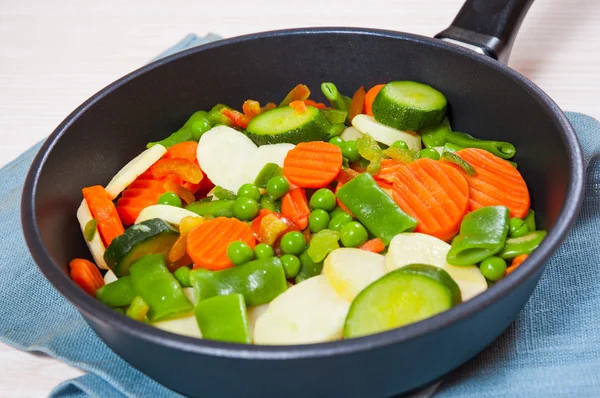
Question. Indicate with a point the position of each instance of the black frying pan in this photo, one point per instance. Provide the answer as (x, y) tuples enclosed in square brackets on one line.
[(486, 98)]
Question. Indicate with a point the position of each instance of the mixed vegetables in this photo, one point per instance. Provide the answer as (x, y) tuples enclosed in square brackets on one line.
[(307, 222)]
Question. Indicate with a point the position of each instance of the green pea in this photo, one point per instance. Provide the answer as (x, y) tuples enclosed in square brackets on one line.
[(291, 265), (239, 252), (399, 144), (339, 221), (336, 212), (353, 234), (350, 151), (493, 268), (517, 228), (263, 250), (249, 191), (200, 126), (323, 199), (337, 141), (318, 220), (293, 243), (245, 209), (277, 187), (169, 198), (429, 153)]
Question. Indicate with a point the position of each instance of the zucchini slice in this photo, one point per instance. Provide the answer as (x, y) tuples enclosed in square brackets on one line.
[(284, 124)]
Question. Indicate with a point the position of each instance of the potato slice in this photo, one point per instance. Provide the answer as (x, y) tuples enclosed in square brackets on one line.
[(96, 246), (351, 134), (171, 214), (387, 135), (109, 277), (274, 153)]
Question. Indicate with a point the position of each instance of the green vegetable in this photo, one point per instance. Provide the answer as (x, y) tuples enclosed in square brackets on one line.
[(339, 221), (137, 309), (321, 244), (263, 250), (517, 228), (350, 151), (217, 208), (411, 106), (435, 136), (215, 117), (277, 187), (198, 124), (336, 212), (323, 199), (334, 130), (148, 237), (337, 100), (448, 147), (493, 268), (269, 171), (530, 220), (153, 282), (249, 191), (337, 141), (286, 125), (120, 310), (291, 265), (335, 115), (439, 275), (482, 234), (170, 199), (308, 268), (89, 231), (345, 163), (401, 155), (318, 220), (223, 194), (268, 203), (505, 150), (429, 153), (375, 209), (239, 252), (293, 243), (245, 209), (454, 158), (370, 150), (259, 281), (116, 294), (353, 234), (400, 145), (522, 245), (182, 274), (224, 318)]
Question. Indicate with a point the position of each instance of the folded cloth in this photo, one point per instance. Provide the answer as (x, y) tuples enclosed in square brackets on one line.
[(553, 349)]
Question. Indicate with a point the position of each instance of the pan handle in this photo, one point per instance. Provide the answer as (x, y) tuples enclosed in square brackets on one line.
[(487, 26)]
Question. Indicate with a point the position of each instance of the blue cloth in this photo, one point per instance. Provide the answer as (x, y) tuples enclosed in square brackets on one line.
[(553, 348)]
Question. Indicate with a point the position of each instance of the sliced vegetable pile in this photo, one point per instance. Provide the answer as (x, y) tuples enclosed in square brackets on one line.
[(307, 222)]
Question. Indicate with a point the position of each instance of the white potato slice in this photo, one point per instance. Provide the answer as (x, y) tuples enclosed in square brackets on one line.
[(109, 277), (411, 248), (439, 149), (349, 271), (96, 246), (132, 170), (309, 312), (274, 153), (185, 326), (351, 134), (387, 135), (253, 314), (222, 155), (171, 214)]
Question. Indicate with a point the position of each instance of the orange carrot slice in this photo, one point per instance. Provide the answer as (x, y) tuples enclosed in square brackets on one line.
[(516, 262), (318, 105), (299, 106), (141, 193), (207, 243), (389, 168), (358, 103), (238, 118), (374, 245), (312, 164), (105, 213), (435, 194), (370, 97), (295, 207), (86, 275), (496, 183)]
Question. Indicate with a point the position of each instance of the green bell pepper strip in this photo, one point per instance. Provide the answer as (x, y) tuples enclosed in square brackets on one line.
[(505, 150), (401, 155), (137, 309), (530, 220), (308, 268), (482, 234), (182, 275), (334, 116), (216, 208), (153, 282), (259, 281), (224, 318), (337, 100), (269, 171), (522, 245), (118, 293), (222, 193), (436, 136), (192, 130), (375, 209), (322, 243)]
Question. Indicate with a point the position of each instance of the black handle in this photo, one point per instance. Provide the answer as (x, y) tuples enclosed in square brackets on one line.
[(490, 25)]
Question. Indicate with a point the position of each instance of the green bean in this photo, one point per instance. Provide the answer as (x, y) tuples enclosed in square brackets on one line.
[(435, 136), (522, 245), (192, 130), (530, 220), (505, 150), (337, 100)]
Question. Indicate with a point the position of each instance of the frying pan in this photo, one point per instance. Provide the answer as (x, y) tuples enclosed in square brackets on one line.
[(486, 98)]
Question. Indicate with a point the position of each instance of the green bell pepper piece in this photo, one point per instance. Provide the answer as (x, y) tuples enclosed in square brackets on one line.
[(259, 281), (153, 282), (192, 130), (308, 268), (523, 245), (436, 136), (375, 209), (182, 275), (217, 208), (224, 318), (323, 243), (269, 171), (505, 150), (268, 203), (482, 234), (137, 309), (530, 220), (118, 293)]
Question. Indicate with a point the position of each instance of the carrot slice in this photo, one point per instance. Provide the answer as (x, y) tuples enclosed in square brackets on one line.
[(183, 150), (295, 207), (370, 97), (105, 213), (299, 106), (207, 243), (86, 275), (389, 168), (374, 245), (358, 103), (435, 194), (239, 119), (141, 193), (318, 105), (496, 183), (516, 262), (312, 164)]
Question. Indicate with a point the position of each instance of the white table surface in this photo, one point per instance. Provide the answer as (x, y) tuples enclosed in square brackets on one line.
[(55, 54)]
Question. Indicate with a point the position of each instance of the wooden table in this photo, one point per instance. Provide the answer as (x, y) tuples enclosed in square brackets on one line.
[(54, 55)]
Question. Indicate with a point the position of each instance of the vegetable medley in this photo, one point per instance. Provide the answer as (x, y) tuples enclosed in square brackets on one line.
[(307, 222)]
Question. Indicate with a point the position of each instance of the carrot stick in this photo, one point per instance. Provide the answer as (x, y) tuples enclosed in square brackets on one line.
[(312, 164), (358, 103), (298, 93), (374, 245), (238, 118), (318, 105), (104, 211), (298, 106), (86, 275), (435, 194), (183, 150), (295, 207), (370, 97), (207, 243), (516, 262), (251, 108), (495, 183)]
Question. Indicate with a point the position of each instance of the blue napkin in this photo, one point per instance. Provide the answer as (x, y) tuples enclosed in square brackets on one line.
[(553, 348)]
